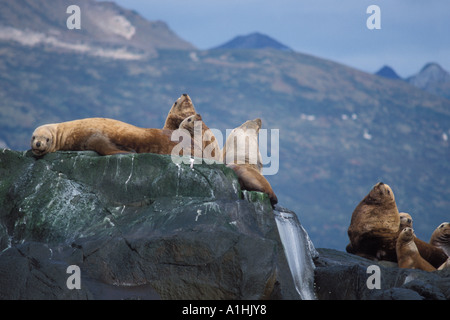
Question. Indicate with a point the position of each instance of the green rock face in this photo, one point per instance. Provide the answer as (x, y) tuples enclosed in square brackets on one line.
[(136, 221)]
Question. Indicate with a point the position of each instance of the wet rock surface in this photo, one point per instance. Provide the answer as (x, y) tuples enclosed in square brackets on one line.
[(138, 226), (343, 276)]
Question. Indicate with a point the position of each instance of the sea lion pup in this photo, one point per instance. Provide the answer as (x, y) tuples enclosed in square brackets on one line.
[(408, 255), (441, 237), (181, 109), (375, 225), (105, 136), (205, 143), (241, 146), (250, 179)]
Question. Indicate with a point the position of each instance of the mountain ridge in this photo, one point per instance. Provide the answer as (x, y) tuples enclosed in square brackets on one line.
[(255, 40), (103, 26)]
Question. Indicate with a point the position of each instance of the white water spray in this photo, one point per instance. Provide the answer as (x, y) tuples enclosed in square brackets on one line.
[(299, 251)]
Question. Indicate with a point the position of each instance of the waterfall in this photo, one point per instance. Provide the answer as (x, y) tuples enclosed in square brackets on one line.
[(299, 251)]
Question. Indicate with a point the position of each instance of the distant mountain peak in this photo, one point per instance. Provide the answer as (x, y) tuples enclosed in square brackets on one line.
[(254, 40), (387, 72), (433, 72), (432, 78)]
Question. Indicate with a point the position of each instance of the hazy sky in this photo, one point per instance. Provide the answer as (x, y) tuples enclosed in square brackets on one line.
[(413, 32)]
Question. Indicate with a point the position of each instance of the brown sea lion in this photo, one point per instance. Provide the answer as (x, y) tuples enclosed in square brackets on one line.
[(375, 225), (405, 220), (441, 237), (205, 143), (250, 179), (181, 109), (408, 255), (433, 255), (105, 136)]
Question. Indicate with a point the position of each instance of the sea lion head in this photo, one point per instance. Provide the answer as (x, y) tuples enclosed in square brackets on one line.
[(441, 237), (406, 235), (188, 123), (183, 107), (405, 220), (42, 140), (381, 193), (254, 124)]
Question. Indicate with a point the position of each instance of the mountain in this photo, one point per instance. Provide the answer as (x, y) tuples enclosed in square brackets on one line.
[(341, 130), (254, 41), (105, 29), (388, 72), (432, 78)]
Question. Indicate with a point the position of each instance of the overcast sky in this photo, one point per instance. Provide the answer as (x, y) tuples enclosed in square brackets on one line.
[(413, 32)]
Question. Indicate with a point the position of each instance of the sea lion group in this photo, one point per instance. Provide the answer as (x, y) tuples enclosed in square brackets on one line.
[(110, 137), (378, 231)]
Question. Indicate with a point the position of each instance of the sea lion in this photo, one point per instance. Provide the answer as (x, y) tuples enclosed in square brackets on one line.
[(405, 220), (181, 109), (441, 237), (250, 179), (432, 254), (205, 143), (241, 146), (408, 255), (105, 136), (375, 225)]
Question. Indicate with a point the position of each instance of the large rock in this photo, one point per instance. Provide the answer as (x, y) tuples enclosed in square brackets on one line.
[(343, 276), (137, 226)]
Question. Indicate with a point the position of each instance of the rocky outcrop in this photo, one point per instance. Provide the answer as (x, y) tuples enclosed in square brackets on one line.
[(140, 226), (137, 226), (343, 276)]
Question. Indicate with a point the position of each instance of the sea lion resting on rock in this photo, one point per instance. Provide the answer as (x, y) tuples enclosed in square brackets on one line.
[(408, 255), (441, 237), (250, 179), (241, 153), (241, 146), (181, 109), (105, 136), (433, 254), (375, 226), (205, 143)]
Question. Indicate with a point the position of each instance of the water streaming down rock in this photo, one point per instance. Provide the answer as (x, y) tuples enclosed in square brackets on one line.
[(299, 251)]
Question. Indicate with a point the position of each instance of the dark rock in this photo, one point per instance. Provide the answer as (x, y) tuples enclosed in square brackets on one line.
[(142, 227), (138, 226), (340, 275)]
